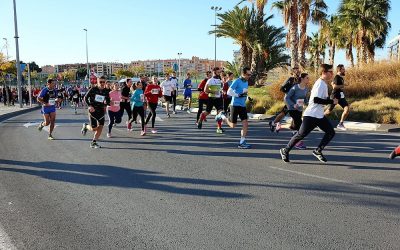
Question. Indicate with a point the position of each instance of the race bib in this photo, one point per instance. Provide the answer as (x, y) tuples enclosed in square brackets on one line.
[(155, 91), (99, 98), (52, 101), (141, 97), (341, 95), (116, 103), (75, 96), (167, 92), (300, 102), (83, 93)]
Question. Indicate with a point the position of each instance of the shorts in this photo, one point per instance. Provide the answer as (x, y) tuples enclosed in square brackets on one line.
[(168, 98), (48, 110), (97, 118), (238, 111), (76, 100), (285, 110), (214, 102), (187, 94), (342, 102)]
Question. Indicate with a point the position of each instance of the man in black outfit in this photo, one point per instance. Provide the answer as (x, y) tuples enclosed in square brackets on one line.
[(125, 104)]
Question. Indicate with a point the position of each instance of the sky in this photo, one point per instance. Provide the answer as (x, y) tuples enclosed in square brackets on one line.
[(51, 31)]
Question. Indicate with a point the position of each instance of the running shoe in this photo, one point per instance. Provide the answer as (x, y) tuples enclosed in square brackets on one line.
[(300, 145), (50, 138), (84, 129), (284, 155), (109, 135), (319, 156), (341, 127), (174, 112), (94, 145), (219, 131), (129, 126), (40, 127), (143, 133), (244, 145), (168, 115), (395, 153), (278, 127), (188, 111), (154, 131), (200, 124), (272, 126)]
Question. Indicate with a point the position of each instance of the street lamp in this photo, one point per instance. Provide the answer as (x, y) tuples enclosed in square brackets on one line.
[(19, 75), (179, 66), (87, 60), (215, 9)]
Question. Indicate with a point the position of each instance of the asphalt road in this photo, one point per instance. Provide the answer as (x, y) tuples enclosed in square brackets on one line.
[(190, 189)]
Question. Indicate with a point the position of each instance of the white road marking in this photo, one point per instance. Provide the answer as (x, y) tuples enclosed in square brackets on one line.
[(29, 124), (337, 180)]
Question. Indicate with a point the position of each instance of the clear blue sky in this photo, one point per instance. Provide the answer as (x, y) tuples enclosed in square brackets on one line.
[(124, 30)]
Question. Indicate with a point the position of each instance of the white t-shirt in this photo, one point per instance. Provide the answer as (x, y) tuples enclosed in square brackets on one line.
[(320, 89), (167, 87)]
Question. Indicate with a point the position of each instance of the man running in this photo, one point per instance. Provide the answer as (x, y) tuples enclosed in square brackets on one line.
[(152, 93), (203, 96), (213, 88), (314, 116), (227, 84), (275, 125), (48, 99), (174, 93), (187, 85), (338, 93), (75, 98), (97, 99), (238, 90), (167, 88), (125, 104)]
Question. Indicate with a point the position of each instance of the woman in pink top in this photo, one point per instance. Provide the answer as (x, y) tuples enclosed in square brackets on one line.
[(113, 111)]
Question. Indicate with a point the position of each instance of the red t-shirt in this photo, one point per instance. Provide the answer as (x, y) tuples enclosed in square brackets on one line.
[(152, 93), (203, 95)]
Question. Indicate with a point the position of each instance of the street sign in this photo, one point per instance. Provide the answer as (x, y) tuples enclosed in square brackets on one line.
[(23, 65), (175, 67)]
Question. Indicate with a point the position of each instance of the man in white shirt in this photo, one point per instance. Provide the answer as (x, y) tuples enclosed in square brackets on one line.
[(314, 116), (167, 88)]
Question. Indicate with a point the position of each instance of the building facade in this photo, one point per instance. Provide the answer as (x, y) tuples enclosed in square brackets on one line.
[(394, 49)]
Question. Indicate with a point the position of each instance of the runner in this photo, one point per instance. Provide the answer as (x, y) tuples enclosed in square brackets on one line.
[(187, 85), (295, 100), (83, 90), (174, 93), (395, 153), (125, 104), (213, 88), (97, 99), (48, 99), (60, 97), (152, 93), (137, 101), (75, 98), (113, 110), (314, 116), (275, 125), (238, 90), (227, 98), (203, 96), (167, 89), (338, 93)]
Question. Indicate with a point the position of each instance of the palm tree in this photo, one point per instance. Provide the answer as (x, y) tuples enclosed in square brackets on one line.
[(290, 13), (316, 48), (236, 24), (331, 33), (314, 10), (233, 67), (369, 19)]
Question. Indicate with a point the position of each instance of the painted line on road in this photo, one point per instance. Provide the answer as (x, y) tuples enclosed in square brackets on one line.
[(5, 242), (337, 180)]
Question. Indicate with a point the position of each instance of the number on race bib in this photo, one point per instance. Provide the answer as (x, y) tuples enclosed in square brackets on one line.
[(99, 98), (341, 95), (52, 101), (116, 103), (155, 91), (300, 102)]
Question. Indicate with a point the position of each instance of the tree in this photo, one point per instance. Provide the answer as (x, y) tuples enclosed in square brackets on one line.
[(137, 70), (316, 48), (233, 67), (331, 33), (81, 73), (34, 67), (123, 73)]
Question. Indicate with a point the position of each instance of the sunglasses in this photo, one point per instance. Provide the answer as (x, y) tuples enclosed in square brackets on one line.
[(102, 82)]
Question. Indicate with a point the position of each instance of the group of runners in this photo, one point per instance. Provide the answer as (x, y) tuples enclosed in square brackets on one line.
[(218, 90)]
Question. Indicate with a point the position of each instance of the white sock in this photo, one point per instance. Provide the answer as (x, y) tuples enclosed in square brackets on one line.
[(242, 139)]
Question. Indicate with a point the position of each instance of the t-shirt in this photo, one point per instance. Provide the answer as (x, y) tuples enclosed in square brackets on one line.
[(125, 92), (203, 95), (174, 80), (152, 93), (187, 84), (296, 95), (137, 98), (214, 87), (115, 99), (338, 93), (320, 89), (239, 86), (49, 96), (75, 94), (167, 87)]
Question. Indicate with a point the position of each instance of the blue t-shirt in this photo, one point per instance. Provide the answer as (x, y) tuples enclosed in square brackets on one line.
[(49, 96), (187, 84), (238, 86), (137, 98)]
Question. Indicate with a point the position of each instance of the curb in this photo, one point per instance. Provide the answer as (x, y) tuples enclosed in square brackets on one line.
[(17, 113)]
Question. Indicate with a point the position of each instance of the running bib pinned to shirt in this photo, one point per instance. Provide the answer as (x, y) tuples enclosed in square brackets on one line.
[(75, 96), (52, 101), (155, 91), (300, 102), (116, 103), (341, 95), (141, 97), (99, 98)]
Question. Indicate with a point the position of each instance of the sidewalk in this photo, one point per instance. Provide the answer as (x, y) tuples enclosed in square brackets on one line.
[(7, 112)]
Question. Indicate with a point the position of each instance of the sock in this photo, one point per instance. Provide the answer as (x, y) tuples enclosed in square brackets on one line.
[(219, 124), (242, 140), (202, 117)]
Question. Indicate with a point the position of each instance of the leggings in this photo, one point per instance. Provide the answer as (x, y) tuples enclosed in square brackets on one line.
[(113, 117), (126, 106), (152, 114), (202, 102), (138, 111), (308, 125), (173, 95), (296, 119)]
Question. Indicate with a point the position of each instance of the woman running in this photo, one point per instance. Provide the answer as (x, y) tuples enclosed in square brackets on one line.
[(152, 93), (137, 100), (113, 111)]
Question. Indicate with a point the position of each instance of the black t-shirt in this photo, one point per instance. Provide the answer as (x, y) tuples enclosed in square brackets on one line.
[(125, 92), (75, 94), (97, 98), (337, 93)]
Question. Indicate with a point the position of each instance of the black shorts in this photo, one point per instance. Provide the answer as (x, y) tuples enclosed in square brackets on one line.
[(76, 100), (214, 102), (97, 118), (238, 111), (285, 110), (342, 102), (168, 98)]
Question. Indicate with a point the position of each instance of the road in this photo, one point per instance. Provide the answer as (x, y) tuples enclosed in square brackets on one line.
[(190, 189)]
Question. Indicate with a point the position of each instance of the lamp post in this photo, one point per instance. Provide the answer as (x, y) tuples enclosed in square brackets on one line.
[(179, 66), (19, 75), (215, 9), (87, 59)]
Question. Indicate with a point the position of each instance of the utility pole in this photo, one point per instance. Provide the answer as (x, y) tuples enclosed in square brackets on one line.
[(18, 64), (215, 9)]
